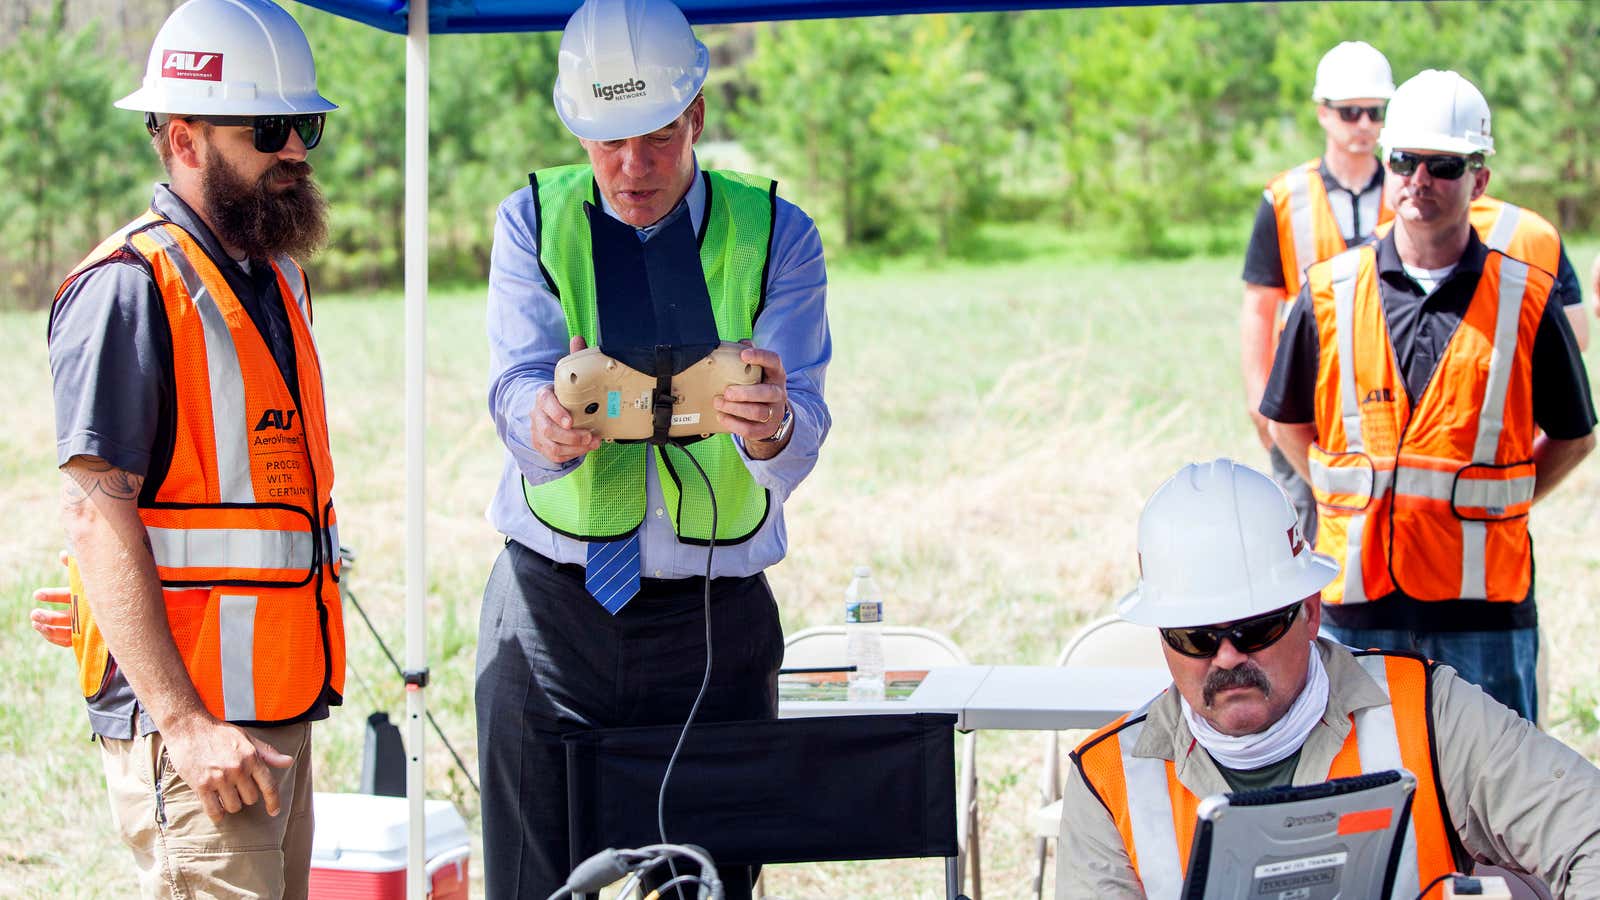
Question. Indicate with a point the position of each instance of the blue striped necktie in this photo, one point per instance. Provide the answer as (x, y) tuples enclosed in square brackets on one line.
[(612, 575)]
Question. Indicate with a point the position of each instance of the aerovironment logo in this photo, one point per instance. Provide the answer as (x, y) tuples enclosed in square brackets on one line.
[(191, 65), (632, 89)]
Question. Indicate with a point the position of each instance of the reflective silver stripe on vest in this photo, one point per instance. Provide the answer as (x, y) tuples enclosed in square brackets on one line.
[(1345, 268), (229, 427), (1490, 494), (1504, 228), (1355, 588), (1155, 836), (236, 639), (1378, 745), (297, 283), (1431, 483), (1361, 481), (240, 548), (1491, 415), (1305, 243)]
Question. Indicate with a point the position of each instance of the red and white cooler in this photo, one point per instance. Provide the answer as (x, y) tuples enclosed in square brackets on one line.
[(358, 851)]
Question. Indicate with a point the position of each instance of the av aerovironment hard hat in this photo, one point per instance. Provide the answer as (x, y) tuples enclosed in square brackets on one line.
[(1351, 71), (626, 68), (1440, 111), (1220, 541), (229, 58)]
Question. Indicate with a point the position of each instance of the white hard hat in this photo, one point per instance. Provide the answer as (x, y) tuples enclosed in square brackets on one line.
[(230, 58), (1219, 542), (1437, 110), (626, 68), (1351, 71)]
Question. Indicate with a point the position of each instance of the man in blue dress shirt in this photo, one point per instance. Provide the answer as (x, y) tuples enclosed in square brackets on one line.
[(594, 613)]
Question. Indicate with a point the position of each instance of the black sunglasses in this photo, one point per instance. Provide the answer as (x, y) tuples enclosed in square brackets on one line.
[(269, 132), (1247, 636), (1352, 114), (1445, 168)]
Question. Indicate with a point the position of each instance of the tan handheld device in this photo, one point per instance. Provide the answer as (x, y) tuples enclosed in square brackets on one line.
[(617, 402)]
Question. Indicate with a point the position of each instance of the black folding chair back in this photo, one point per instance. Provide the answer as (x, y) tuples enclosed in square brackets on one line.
[(772, 791)]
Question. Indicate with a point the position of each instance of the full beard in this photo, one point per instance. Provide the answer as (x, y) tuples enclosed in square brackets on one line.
[(263, 222)]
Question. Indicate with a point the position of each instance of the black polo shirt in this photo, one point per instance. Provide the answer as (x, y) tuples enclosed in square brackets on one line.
[(114, 391), (1420, 326)]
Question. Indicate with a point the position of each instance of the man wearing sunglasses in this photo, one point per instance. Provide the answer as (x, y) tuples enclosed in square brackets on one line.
[(1258, 700), (1308, 214), (1430, 390), (192, 432)]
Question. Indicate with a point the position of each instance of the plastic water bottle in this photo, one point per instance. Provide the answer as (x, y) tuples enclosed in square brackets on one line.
[(863, 625)]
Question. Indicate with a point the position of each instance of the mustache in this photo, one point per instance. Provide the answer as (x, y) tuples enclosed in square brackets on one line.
[(1247, 675), (299, 170)]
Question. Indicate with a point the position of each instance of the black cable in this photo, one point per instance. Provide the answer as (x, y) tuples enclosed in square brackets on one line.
[(705, 682), (350, 595), (1430, 885)]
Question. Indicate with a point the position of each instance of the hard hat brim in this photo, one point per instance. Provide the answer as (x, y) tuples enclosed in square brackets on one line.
[(146, 100), (1435, 142), (1143, 607)]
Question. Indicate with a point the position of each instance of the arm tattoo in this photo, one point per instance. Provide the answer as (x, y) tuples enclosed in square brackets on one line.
[(87, 475)]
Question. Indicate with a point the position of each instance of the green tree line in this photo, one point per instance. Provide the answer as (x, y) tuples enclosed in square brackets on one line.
[(1153, 128)]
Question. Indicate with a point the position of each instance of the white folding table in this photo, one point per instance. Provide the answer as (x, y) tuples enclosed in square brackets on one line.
[(1027, 698)]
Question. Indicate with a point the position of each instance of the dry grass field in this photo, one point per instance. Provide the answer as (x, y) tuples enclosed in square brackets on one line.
[(996, 429)]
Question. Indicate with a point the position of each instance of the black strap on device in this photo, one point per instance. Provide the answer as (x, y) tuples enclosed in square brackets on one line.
[(654, 309)]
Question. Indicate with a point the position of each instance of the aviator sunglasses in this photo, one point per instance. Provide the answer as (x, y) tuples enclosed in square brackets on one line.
[(1444, 168), (1352, 114), (269, 132), (1247, 636)]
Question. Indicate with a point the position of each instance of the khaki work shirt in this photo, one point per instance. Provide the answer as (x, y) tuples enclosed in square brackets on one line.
[(1516, 796)]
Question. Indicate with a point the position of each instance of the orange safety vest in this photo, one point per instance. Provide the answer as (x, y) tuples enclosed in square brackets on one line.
[(1429, 497), (242, 526), (1518, 233), (1155, 813), (1307, 230)]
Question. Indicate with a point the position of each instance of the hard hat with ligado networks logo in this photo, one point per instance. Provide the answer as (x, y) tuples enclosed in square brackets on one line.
[(1354, 70), (1218, 542), (626, 68), (229, 58), (1440, 111)]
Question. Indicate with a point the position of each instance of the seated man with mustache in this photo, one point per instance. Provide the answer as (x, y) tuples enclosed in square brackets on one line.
[(1259, 701), (191, 429)]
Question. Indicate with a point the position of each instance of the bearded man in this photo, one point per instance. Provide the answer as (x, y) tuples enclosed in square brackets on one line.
[(191, 429)]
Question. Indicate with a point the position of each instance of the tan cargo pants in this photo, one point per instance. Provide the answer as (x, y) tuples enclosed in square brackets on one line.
[(182, 854)]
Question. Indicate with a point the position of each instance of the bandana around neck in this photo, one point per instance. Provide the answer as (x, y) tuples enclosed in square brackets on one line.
[(1280, 740)]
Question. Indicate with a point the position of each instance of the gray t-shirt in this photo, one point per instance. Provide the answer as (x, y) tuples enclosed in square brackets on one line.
[(110, 361)]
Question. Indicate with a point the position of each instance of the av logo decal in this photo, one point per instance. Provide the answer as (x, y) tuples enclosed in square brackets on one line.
[(281, 419), (1378, 395), (191, 65)]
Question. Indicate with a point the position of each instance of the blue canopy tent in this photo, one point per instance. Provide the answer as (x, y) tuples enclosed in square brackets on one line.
[(478, 16), (418, 20)]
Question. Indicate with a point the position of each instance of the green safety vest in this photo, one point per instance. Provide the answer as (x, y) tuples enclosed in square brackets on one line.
[(604, 497)]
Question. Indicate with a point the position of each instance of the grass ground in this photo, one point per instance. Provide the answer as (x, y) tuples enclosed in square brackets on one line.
[(996, 430)]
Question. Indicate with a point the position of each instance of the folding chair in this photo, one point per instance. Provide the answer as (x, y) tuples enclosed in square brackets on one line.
[(772, 791), (906, 647), (1105, 642)]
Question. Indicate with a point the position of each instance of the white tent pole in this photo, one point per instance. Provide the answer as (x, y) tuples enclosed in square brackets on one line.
[(416, 275)]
